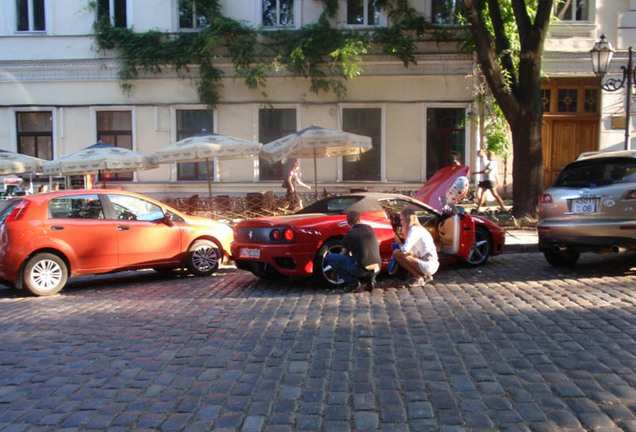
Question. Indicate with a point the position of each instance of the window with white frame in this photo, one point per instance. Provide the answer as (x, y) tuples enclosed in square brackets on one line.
[(35, 134), (445, 136), (191, 16), (367, 122), (274, 123), (191, 122), (364, 12), (115, 128), (278, 13), (446, 12), (30, 15), (571, 10), (114, 11)]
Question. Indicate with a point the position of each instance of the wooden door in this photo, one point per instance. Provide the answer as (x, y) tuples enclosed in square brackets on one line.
[(571, 122), (563, 140)]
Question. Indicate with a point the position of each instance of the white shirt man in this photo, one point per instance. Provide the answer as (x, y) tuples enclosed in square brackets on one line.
[(490, 183), (480, 165), (491, 172)]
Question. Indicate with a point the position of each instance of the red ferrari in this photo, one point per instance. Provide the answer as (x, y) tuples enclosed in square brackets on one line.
[(296, 245)]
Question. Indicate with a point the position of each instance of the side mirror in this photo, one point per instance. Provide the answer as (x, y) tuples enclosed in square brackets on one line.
[(168, 219)]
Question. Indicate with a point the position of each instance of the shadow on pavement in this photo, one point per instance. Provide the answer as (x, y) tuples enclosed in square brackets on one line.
[(231, 282)]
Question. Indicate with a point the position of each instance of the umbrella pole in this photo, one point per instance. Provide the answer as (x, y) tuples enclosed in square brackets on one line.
[(315, 175), (207, 167)]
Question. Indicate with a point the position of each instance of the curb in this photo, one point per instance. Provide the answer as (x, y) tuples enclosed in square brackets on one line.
[(521, 248), (521, 240)]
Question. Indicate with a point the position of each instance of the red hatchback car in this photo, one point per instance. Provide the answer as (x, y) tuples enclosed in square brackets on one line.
[(48, 237), (296, 245)]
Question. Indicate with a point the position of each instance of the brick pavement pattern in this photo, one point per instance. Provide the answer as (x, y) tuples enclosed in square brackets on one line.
[(513, 346)]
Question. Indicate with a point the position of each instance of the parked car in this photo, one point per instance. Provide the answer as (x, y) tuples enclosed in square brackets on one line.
[(295, 245), (591, 207), (46, 238)]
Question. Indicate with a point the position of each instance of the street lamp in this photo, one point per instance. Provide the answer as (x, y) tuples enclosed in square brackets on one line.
[(601, 55)]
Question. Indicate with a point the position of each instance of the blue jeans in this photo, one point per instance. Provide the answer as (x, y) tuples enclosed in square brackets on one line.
[(347, 268)]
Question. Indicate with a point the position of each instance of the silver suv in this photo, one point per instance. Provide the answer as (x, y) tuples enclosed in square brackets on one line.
[(590, 208)]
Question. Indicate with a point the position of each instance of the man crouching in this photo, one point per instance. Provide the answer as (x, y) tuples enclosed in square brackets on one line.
[(360, 256)]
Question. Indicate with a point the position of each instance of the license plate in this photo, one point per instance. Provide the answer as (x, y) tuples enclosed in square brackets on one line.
[(585, 205), (249, 253)]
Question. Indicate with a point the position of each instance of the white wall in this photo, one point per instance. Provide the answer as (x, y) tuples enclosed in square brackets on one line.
[(62, 70)]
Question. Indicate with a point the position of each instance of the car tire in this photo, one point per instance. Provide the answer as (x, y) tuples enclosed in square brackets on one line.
[(561, 259), (323, 273), (203, 258), (482, 248), (45, 274)]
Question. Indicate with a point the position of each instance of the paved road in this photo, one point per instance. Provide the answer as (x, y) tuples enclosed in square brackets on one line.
[(515, 345)]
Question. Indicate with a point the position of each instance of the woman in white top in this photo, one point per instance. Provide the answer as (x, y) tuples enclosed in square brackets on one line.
[(490, 183), (418, 254), (479, 178)]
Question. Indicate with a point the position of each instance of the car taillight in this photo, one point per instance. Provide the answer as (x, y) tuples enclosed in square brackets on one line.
[(631, 195), (545, 199), (18, 211), (286, 234)]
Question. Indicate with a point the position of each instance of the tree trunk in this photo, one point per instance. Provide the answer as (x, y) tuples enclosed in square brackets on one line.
[(527, 163), (517, 90)]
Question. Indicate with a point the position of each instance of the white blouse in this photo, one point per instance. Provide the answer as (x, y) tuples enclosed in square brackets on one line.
[(421, 242)]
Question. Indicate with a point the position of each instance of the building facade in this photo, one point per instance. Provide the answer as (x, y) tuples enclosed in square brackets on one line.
[(578, 114), (59, 93)]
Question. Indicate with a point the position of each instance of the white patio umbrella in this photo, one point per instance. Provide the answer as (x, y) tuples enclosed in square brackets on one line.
[(17, 163), (99, 158), (204, 146), (316, 141)]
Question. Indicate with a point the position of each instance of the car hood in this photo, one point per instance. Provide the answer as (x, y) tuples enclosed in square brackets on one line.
[(199, 220), (436, 187), (220, 228)]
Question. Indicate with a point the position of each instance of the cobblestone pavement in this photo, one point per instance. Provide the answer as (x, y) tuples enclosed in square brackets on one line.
[(515, 345)]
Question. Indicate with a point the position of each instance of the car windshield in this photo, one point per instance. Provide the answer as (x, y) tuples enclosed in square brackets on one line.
[(597, 173), (333, 205)]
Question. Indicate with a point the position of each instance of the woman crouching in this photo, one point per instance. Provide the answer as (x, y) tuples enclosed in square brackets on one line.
[(418, 254)]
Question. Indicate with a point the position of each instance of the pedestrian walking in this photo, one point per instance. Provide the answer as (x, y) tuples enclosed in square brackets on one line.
[(291, 182), (479, 178), (490, 182)]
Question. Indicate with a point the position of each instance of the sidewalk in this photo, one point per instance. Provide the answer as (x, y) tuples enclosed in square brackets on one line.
[(521, 240)]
